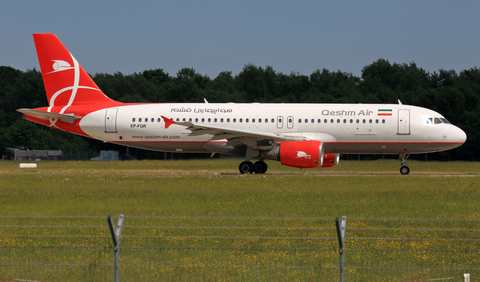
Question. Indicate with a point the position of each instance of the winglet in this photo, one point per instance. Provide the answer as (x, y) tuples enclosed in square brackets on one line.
[(168, 122)]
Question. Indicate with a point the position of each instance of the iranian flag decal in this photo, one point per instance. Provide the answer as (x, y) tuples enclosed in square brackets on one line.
[(385, 112)]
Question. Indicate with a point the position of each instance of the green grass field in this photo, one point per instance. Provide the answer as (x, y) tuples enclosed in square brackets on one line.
[(185, 188), (210, 193)]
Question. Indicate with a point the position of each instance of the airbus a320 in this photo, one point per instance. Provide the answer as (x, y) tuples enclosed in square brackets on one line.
[(297, 135)]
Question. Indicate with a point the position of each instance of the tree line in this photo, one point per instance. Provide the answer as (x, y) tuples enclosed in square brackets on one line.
[(455, 95)]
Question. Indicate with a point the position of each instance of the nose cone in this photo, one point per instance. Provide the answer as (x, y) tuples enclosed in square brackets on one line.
[(460, 136)]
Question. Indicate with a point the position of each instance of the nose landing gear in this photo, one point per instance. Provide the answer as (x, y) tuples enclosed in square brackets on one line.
[(404, 170)]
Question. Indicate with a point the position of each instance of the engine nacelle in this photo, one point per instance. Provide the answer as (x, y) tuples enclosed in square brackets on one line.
[(302, 154), (330, 160)]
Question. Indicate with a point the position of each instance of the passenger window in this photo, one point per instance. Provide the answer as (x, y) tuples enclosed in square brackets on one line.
[(299, 120), (228, 119), (253, 120), (209, 119), (215, 119), (190, 120), (140, 120), (325, 121), (234, 120), (383, 121), (319, 121), (351, 120), (203, 119), (344, 121), (196, 119), (306, 120), (158, 120), (133, 119), (240, 120), (246, 120), (273, 120)]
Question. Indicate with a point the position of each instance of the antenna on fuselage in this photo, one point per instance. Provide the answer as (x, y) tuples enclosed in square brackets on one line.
[(400, 103), (206, 102)]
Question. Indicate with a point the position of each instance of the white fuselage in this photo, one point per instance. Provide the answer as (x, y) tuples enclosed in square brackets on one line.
[(297, 135), (344, 128)]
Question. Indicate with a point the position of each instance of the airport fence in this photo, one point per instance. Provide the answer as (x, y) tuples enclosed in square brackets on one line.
[(77, 248)]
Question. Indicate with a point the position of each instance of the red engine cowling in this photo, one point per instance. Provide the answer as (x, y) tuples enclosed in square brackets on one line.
[(330, 160), (302, 154)]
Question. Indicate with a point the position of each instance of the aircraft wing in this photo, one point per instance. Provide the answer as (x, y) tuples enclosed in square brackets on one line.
[(47, 115), (222, 132)]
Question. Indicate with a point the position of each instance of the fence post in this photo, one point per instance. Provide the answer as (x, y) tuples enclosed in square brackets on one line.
[(116, 240), (341, 240), (466, 277)]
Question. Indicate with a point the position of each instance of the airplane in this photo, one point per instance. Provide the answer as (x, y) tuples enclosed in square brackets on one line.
[(297, 135)]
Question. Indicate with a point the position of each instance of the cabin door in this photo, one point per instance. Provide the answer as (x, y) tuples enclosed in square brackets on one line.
[(111, 120), (403, 122)]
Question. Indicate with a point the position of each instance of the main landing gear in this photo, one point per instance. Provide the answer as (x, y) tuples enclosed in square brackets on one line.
[(404, 170), (259, 167)]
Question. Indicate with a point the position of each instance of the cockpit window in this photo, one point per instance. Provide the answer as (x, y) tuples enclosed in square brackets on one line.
[(437, 120)]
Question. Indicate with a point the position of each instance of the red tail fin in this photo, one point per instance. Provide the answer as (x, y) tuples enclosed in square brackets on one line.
[(66, 83)]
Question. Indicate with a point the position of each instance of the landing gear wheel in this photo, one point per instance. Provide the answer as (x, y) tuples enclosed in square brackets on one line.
[(260, 167), (246, 167), (404, 170)]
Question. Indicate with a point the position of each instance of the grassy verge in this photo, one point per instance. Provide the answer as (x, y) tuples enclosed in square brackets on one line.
[(184, 188), (163, 199)]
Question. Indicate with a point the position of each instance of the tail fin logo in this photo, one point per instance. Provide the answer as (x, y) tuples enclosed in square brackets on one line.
[(60, 65)]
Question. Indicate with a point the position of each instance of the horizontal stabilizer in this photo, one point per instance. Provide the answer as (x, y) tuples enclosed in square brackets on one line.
[(70, 118)]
